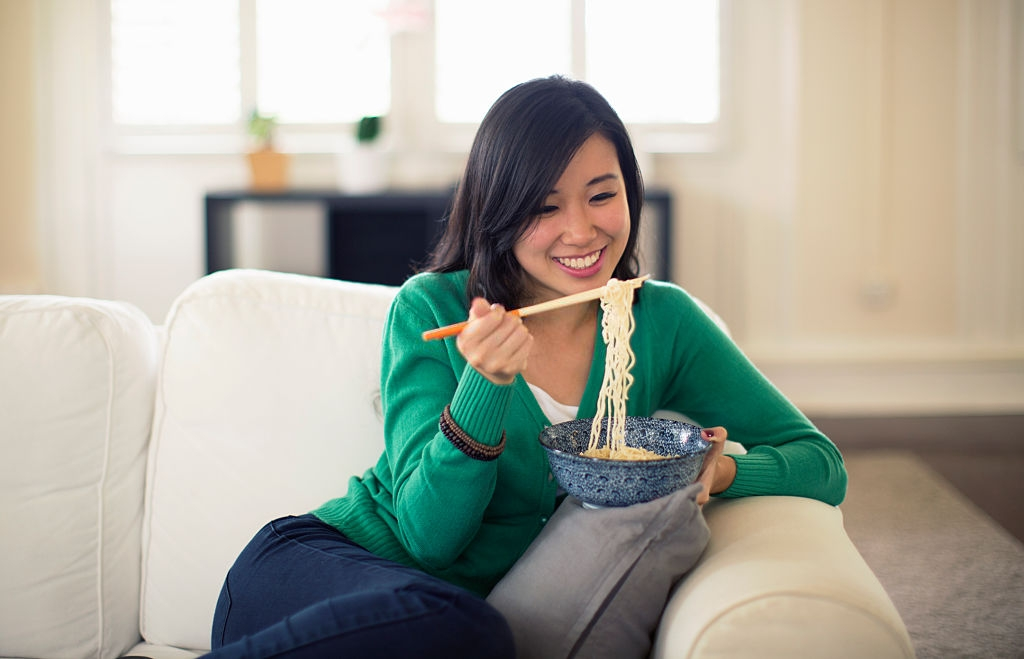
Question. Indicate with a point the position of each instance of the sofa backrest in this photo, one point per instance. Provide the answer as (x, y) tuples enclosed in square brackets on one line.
[(266, 404), (76, 398)]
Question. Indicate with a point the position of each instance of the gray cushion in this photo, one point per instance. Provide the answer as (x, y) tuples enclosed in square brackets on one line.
[(594, 582)]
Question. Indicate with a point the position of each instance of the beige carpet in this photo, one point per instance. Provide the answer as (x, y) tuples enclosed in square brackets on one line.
[(956, 577)]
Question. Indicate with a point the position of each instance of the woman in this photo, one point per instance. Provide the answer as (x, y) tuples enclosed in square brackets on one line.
[(549, 205)]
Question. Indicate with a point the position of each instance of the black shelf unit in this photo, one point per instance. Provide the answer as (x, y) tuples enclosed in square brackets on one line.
[(380, 238)]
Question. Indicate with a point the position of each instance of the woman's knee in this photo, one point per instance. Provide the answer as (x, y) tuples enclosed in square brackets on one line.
[(463, 624)]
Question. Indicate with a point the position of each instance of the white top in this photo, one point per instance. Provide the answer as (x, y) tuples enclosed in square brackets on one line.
[(555, 412)]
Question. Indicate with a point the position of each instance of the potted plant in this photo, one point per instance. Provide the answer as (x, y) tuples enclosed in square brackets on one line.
[(268, 167), (368, 130), (363, 166)]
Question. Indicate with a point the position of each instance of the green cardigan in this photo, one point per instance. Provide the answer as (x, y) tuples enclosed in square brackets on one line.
[(427, 505)]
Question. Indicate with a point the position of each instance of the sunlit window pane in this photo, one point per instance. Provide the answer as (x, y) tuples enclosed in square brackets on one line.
[(656, 62), (323, 61), (175, 61), (483, 48), (207, 62)]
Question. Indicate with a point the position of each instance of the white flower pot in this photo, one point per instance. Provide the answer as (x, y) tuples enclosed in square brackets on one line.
[(363, 170)]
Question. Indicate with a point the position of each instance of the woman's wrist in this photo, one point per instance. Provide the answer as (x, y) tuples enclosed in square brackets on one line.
[(725, 474), (479, 406)]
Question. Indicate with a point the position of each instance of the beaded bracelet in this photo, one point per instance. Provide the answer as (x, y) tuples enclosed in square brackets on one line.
[(462, 441)]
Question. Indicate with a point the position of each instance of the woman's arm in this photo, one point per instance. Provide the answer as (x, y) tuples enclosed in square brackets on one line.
[(439, 492), (715, 384)]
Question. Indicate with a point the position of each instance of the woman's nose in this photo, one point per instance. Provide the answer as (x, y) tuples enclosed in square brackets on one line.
[(579, 229)]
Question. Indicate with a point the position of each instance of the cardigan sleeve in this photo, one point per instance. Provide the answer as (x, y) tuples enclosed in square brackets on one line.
[(714, 383), (439, 493)]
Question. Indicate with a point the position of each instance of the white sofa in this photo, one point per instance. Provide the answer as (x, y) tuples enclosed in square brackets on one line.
[(136, 460)]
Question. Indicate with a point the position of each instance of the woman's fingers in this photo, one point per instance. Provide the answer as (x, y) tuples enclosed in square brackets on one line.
[(495, 343), (716, 434), (709, 468)]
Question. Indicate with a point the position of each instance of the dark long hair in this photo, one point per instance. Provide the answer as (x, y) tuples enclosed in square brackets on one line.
[(522, 147)]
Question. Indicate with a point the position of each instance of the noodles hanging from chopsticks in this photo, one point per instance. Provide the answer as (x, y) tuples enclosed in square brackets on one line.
[(617, 327)]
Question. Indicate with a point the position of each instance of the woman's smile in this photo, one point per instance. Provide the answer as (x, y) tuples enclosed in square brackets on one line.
[(581, 265)]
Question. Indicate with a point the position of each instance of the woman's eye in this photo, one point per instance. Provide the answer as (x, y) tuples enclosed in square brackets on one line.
[(547, 210), (604, 196)]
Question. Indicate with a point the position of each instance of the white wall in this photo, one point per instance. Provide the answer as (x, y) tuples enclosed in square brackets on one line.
[(863, 234), (860, 232), (19, 245)]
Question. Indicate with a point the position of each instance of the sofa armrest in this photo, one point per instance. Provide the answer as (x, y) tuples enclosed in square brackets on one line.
[(77, 384), (780, 578)]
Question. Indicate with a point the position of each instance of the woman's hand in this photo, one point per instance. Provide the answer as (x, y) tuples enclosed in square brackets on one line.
[(494, 343), (718, 470)]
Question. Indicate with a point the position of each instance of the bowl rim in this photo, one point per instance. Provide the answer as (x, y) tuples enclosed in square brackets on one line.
[(703, 443)]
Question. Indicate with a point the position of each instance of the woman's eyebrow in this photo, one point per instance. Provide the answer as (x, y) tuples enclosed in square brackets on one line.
[(603, 177)]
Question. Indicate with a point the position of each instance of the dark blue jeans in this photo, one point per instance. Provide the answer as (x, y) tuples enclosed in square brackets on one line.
[(301, 589)]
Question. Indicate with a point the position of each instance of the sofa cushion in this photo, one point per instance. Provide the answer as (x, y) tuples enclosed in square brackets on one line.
[(267, 402), (594, 582), (76, 398)]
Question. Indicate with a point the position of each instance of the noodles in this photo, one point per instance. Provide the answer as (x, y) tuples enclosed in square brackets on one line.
[(634, 453), (616, 329)]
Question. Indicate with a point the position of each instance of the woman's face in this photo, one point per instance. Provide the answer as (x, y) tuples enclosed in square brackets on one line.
[(581, 232)]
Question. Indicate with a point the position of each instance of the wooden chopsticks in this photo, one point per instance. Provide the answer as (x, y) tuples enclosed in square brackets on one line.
[(557, 303)]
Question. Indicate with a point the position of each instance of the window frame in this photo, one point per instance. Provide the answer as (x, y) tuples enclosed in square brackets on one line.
[(679, 138), (407, 127)]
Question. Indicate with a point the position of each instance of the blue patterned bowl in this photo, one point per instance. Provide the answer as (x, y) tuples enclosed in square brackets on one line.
[(602, 482)]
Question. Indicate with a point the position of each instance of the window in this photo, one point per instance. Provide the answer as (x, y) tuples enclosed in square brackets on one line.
[(682, 35), (209, 62), (198, 67), (312, 54), (656, 62), (174, 62), (482, 50)]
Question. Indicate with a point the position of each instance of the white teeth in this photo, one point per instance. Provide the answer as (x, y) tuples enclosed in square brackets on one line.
[(580, 263)]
